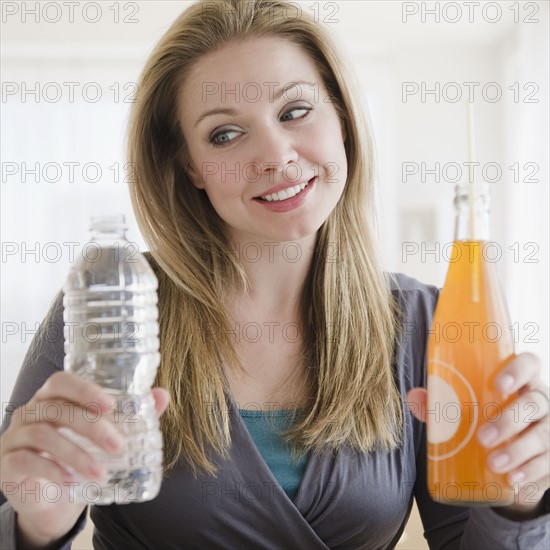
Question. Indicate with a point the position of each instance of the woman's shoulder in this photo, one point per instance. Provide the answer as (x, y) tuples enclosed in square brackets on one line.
[(400, 282), (416, 300), (408, 290)]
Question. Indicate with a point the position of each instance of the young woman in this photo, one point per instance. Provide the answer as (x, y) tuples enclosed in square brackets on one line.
[(281, 341)]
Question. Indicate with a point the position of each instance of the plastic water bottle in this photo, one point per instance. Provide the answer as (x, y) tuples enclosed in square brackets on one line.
[(111, 338)]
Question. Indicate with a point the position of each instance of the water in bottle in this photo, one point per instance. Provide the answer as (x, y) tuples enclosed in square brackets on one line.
[(111, 338)]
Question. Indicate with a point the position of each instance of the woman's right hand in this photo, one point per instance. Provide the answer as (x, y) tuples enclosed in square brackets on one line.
[(38, 488)]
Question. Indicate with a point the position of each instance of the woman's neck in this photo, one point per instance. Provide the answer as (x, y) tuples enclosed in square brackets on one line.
[(277, 272)]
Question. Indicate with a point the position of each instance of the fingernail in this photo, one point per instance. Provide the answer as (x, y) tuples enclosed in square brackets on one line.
[(95, 470), (70, 475), (113, 442), (108, 403), (515, 477), (500, 460), (487, 435), (506, 382)]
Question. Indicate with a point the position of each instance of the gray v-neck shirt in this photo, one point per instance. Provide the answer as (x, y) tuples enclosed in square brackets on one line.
[(345, 500)]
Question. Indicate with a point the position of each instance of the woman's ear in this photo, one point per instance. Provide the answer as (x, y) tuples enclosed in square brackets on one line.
[(194, 175), (344, 133)]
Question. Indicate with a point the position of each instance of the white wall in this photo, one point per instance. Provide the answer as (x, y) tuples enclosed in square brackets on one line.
[(386, 52)]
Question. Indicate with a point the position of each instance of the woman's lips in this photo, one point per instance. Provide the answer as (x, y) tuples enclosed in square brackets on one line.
[(288, 204)]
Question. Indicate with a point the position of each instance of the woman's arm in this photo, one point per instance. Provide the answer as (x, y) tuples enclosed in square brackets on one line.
[(43, 358)]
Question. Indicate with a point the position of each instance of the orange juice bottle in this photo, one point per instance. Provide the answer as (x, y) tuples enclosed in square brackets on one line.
[(469, 342)]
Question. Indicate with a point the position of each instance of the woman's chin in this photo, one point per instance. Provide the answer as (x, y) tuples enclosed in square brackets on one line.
[(287, 237), (277, 235)]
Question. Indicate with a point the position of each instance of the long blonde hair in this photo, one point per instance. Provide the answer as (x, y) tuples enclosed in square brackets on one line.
[(348, 317)]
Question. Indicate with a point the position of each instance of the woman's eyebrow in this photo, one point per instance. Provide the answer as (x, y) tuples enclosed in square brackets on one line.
[(216, 111), (277, 95)]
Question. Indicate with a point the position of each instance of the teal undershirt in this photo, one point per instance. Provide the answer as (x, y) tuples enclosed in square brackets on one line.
[(264, 428)]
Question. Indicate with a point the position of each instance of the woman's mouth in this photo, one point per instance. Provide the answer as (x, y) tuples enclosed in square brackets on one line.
[(287, 199), (287, 193)]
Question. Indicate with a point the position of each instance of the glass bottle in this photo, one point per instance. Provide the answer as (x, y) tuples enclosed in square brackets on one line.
[(470, 341)]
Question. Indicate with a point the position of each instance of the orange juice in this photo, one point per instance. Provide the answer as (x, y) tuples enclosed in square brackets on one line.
[(469, 342)]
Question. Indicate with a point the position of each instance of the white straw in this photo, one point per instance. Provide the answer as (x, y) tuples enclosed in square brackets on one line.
[(471, 158)]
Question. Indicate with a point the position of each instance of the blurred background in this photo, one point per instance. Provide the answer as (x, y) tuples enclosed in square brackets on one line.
[(68, 79)]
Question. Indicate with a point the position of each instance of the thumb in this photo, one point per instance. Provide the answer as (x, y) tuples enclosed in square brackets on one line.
[(417, 400), (162, 398)]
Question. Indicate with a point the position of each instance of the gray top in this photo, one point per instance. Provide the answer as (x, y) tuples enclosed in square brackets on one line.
[(344, 501)]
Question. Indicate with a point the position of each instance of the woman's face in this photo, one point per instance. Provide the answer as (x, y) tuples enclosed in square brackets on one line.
[(258, 123)]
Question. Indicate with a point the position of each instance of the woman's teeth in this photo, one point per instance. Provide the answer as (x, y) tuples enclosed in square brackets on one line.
[(285, 193)]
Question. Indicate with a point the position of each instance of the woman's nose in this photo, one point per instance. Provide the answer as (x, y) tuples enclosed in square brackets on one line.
[(274, 150)]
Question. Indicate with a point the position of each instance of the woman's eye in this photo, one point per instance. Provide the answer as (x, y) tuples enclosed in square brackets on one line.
[(225, 137), (222, 138), (305, 110)]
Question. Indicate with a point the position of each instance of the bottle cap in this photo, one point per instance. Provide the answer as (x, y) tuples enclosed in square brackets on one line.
[(108, 222), (480, 188)]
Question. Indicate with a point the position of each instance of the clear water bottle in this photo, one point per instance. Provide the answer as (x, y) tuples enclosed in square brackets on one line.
[(111, 338)]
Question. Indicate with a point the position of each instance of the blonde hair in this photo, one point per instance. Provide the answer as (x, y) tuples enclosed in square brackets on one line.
[(348, 317)]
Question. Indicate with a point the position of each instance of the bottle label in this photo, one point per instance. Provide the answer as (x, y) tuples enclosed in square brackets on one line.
[(452, 411)]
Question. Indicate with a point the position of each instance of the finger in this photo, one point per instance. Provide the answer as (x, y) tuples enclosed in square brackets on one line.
[(519, 371), (541, 398), (89, 422), (531, 492), (39, 438), (416, 401), (529, 407), (162, 398), (70, 387), (531, 469), (530, 444), (23, 463)]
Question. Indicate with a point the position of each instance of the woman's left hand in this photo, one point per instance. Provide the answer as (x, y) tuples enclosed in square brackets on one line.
[(526, 459)]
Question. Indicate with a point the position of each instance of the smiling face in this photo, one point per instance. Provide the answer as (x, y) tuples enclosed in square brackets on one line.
[(265, 142)]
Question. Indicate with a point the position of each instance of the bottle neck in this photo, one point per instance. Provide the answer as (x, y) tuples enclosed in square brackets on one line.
[(472, 213), (106, 230), (108, 235)]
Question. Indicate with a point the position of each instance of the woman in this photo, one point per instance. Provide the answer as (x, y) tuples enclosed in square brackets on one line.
[(254, 191)]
